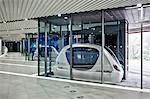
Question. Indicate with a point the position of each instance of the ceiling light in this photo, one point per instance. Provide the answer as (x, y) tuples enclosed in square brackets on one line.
[(59, 15), (4, 21), (139, 5), (25, 19), (65, 18), (55, 26), (93, 29)]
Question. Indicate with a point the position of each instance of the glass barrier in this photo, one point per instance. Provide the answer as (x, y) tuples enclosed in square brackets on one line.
[(146, 54), (86, 47), (94, 46)]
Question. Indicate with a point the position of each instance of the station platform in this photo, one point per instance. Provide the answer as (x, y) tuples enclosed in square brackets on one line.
[(17, 81)]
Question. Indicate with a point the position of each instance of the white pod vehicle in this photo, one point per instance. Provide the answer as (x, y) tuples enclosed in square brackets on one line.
[(87, 64)]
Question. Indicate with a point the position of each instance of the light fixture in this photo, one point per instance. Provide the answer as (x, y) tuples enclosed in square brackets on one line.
[(93, 29), (65, 18), (140, 8), (25, 19), (55, 26), (139, 5), (59, 15), (4, 21)]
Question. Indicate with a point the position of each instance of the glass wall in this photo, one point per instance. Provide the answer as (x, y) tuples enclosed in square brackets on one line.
[(146, 54), (92, 46), (115, 30), (82, 46), (86, 48), (29, 46), (138, 74), (53, 36)]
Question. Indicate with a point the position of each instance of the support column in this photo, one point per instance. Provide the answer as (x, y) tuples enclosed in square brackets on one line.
[(118, 39), (23, 46), (141, 23), (38, 47), (68, 33), (31, 52), (26, 49), (50, 55), (62, 39), (45, 29), (28, 36), (71, 50), (126, 51), (102, 47), (141, 55), (82, 34), (20, 42)]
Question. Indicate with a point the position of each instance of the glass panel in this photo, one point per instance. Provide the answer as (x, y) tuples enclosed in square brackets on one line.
[(41, 51), (53, 47), (134, 74), (29, 46), (146, 49), (23, 46), (123, 41), (58, 40), (33, 48), (114, 47), (120, 67), (86, 46), (26, 47)]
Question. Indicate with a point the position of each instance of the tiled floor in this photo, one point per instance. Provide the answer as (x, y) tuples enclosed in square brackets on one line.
[(26, 87), (15, 62), (18, 87), (18, 69)]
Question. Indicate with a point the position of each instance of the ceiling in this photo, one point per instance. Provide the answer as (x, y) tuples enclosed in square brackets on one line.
[(14, 12), (132, 15), (18, 25), (15, 30), (21, 9)]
